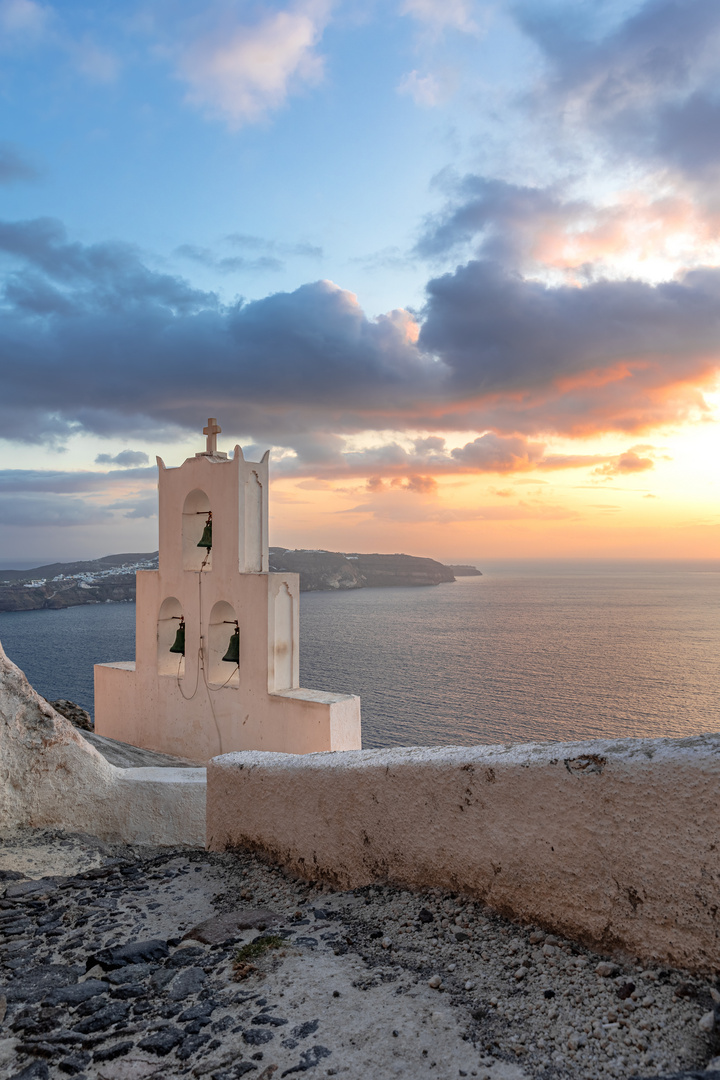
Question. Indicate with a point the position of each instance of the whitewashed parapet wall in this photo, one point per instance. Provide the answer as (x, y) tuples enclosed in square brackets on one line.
[(616, 844), (51, 777)]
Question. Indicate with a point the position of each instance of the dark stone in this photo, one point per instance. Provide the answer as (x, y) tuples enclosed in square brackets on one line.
[(303, 1030), (74, 1063), (197, 1012), (162, 1042), (191, 1045), (309, 1059), (185, 956), (20, 889), (186, 983), (129, 990), (310, 942), (218, 1027), (11, 875), (257, 1038), (36, 1070), (625, 990), (132, 974), (104, 1018), (425, 916), (547, 994), (135, 952), (289, 1044), (112, 1052), (75, 995), (161, 978), (38, 1049), (74, 713), (34, 986), (374, 934), (272, 1021), (460, 935), (228, 926)]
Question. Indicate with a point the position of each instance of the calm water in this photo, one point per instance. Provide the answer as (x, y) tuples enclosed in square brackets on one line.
[(525, 652)]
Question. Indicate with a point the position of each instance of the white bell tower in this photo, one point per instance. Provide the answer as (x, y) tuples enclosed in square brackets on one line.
[(213, 582)]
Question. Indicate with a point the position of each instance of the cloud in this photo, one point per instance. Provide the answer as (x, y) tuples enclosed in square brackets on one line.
[(629, 462), (126, 459), (94, 339), (301, 249), (243, 72), (645, 85), (30, 481), (25, 511), (139, 506), (14, 166), (228, 264), (24, 20), (391, 506), (441, 14), (425, 90), (495, 453)]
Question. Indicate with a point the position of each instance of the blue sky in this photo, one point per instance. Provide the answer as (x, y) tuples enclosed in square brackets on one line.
[(455, 262)]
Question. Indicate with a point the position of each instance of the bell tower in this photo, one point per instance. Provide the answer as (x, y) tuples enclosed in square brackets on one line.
[(217, 650)]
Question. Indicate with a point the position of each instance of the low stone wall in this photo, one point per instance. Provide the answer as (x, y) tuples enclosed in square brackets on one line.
[(616, 844), (51, 777)]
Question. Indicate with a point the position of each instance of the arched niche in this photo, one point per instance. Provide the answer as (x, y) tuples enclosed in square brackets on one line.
[(167, 626), (195, 511), (220, 629)]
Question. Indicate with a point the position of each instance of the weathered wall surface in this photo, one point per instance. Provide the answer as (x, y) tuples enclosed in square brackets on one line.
[(51, 777), (613, 843)]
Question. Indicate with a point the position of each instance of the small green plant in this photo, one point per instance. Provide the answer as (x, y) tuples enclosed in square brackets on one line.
[(242, 961)]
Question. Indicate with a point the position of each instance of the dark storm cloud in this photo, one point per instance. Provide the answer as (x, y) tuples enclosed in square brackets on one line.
[(130, 351), (649, 85), (499, 333), (14, 166)]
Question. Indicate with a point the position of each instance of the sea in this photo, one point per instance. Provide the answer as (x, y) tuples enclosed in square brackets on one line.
[(530, 651)]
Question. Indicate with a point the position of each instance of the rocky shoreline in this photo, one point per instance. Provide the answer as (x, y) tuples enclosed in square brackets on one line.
[(123, 963)]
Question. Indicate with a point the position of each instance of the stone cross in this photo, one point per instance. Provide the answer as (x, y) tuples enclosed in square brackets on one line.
[(212, 431)]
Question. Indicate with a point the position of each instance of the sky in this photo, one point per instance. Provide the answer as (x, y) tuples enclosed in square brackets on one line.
[(456, 263)]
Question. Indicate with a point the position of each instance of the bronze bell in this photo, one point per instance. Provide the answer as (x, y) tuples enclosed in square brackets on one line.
[(232, 656), (178, 646), (206, 538)]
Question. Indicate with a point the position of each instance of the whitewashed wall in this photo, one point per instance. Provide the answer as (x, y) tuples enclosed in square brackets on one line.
[(613, 843)]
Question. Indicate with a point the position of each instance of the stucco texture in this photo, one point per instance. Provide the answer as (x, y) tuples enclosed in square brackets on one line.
[(615, 843), (51, 777)]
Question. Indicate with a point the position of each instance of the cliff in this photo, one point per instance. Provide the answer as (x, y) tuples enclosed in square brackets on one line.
[(326, 570), (112, 578)]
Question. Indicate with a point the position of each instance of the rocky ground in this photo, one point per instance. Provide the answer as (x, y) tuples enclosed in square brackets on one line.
[(125, 964)]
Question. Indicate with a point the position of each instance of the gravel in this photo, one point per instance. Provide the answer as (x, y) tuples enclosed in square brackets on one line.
[(105, 974)]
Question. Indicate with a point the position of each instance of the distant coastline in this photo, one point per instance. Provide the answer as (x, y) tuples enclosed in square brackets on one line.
[(111, 579)]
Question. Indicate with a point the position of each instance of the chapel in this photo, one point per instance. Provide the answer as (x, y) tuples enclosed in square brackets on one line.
[(217, 651)]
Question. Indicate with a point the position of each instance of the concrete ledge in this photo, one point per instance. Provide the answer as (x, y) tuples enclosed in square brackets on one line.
[(615, 843)]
